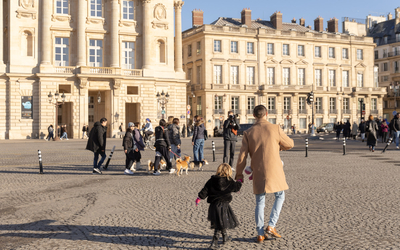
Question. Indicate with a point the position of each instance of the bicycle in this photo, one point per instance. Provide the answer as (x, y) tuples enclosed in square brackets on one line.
[(150, 142)]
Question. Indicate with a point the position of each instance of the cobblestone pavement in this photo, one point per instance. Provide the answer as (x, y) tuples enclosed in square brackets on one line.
[(334, 201)]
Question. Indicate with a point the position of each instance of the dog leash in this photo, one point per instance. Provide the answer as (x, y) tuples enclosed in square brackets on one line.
[(175, 154)]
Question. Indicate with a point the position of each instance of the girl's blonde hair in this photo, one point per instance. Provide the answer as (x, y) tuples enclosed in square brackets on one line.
[(224, 170)]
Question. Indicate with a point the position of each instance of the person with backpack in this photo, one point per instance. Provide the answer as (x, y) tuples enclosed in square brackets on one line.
[(230, 138)]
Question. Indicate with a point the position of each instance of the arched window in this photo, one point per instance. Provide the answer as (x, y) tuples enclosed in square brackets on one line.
[(27, 44), (161, 51)]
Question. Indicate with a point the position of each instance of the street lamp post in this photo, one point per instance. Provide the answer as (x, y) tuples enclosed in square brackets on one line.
[(395, 88), (361, 100), (56, 104), (163, 100)]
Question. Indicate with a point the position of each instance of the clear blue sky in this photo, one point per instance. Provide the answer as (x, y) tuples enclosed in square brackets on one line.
[(308, 9)]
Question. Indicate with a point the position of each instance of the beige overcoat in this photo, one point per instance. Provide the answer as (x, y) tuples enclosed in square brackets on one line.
[(263, 142)]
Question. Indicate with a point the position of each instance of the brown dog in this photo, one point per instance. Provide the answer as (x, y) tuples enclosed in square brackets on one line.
[(182, 164), (150, 165), (200, 166)]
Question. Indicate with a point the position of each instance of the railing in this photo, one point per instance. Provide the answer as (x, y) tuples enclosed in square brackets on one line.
[(287, 111), (219, 28), (234, 29), (346, 111), (394, 53), (267, 31), (219, 111), (285, 32), (317, 35), (302, 111), (252, 31), (358, 38), (331, 36), (272, 111), (333, 111), (133, 72), (249, 112), (300, 34), (98, 70), (237, 111), (374, 111), (319, 111), (65, 69), (344, 37)]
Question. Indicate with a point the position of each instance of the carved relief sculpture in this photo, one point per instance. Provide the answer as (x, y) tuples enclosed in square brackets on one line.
[(26, 9), (160, 14)]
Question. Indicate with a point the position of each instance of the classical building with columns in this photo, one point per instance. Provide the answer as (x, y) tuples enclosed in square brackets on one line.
[(238, 63), (108, 57)]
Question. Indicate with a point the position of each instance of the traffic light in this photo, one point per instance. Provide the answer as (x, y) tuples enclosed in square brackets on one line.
[(363, 106), (311, 96), (308, 99)]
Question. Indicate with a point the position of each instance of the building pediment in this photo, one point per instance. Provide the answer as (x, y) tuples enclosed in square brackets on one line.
[(286, 61), (360, 65), (271, 61), (301, 62)]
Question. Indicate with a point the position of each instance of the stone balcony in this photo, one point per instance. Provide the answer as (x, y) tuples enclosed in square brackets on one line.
[(96, 71)]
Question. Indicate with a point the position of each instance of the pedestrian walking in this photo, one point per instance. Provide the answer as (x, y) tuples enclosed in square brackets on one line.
[(132, 144), (354, 130), (219, 190), (97, 143), (58, 131), (395, 127), (84, 132), (346, 129), (64, 132), (148, 129), (312, 128), (294, 129), (231, 126), (385, 129), (120, 130), (198, 140), (163, 147), (361, 127), (263, 141), (338, 128), (50, 135), (175, 139), (183, 131), (372, 128)]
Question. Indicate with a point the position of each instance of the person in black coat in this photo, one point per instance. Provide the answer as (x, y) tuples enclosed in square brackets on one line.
[(133, 144), (346, 129), (338, 128), (219, 190), (163, 147), (97, 144), (230, 137), (372, 128), (361, 127)]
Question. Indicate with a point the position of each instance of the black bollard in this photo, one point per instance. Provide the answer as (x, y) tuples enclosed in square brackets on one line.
[(109, 158), (344, 146), (213, 149), (40, 162), (387, 145), (306, 147)]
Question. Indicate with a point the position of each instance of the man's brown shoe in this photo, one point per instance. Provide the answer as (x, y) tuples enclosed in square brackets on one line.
[(272, 232), (261, 238)]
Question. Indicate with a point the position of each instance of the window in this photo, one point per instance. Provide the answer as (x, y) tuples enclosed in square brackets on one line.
[(218, 103), (272, 120), (286, 76), (318, 103), (285, 50), (217, 46), (189, 50), (318, 122), (234, 74), (332, 105), (198, 48), (303, 123), (270, 76), (385, 67), (318, 77), (301, 76), (96, 53), (331, 52), (189, 74), (198, 106), (359, 54), (271, 103), (128, 55), (360, 80), (250, 75), (332, 78), (373, 104), (385, 39), (396, 67), (61, 51), (345, 78), (286, 104), (217, 74), (302, 104), (317, 51), (235, 105), (96, 8), (161, 51), (127, 10), (385, 53), (251, 102), (345, 53), (346, 105), (234, 46), (300, 50), (376, 54), (250, 48), (62, 7), (385, 78), (198, 74), (270, 48), (27, 44)]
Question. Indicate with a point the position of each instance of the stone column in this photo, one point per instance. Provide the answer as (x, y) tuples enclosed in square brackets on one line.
[(2, 69), (81, 33), (46, 33), (114, 34), (178, 35), (146, 34)]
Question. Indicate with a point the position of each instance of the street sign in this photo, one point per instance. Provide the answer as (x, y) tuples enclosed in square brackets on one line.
[(188, 106), (188, 112), (394, 113), (287, 117), (363, 112), (163, 112), (221, 118), (188, 116)]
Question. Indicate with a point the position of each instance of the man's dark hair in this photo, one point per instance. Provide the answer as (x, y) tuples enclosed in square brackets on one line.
[(103, 120), (175, 121), (163, 123), (230, 112), (260, 111)]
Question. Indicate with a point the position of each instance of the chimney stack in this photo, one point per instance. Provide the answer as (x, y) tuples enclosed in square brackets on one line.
[(390, 16), (397, 15), (319, 24), (246, 17), (294, 20), (197, 17), (302, 22), (333, 25), (276, 20)]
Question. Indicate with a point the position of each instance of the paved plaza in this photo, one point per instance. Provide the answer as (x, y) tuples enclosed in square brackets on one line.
[(334, 201)]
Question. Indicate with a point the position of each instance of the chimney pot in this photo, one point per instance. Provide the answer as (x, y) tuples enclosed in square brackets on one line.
[(276, 20), (294, 20), (333, 25), (302, 22), (390, 16)]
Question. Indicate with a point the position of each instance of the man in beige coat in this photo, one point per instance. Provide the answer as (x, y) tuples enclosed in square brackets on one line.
[(263, 141)]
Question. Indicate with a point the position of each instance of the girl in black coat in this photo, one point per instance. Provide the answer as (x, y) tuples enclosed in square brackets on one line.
[(219, 192), (163, 147)]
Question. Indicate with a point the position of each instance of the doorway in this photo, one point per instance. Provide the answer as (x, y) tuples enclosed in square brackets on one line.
[(65, 117), (132, 114), (99, 106)]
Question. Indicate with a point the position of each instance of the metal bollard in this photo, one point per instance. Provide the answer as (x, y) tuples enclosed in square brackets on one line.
[(306, 147), (387, 145), (40, 162), (344, 146), (109, 158), (213, 149)]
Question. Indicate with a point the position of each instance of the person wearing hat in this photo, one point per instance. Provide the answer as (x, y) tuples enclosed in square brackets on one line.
[(132, 144), (148, 129)]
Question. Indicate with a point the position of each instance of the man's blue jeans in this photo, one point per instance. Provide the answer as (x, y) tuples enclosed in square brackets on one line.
[(174, 148), (396, 135), (198, 150), (96, 158), (276, 210)]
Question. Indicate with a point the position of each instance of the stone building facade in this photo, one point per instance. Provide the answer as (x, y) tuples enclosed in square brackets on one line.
[(109, 58), (237, 63)]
